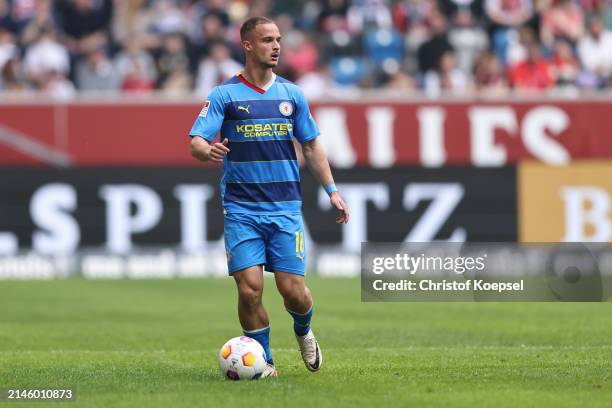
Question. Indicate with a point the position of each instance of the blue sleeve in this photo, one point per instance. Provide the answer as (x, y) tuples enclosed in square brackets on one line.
[(210, 119), (306, 128)]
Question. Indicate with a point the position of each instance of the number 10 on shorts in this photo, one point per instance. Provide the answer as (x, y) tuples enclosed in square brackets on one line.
[(299, 244)]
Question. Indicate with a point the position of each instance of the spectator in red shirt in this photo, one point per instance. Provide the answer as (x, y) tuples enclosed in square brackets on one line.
[(534, 73)]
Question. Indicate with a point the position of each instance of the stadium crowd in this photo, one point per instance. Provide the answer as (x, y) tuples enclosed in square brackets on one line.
[(407, 46)]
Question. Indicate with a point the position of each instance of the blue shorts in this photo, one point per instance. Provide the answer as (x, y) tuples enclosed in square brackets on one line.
[(275, 241)]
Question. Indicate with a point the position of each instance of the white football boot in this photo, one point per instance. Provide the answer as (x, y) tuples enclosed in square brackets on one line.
[(269, 371), (311, 353)]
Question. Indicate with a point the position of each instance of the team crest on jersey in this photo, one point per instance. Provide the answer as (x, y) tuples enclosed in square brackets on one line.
[(285, 108), (204, 110)]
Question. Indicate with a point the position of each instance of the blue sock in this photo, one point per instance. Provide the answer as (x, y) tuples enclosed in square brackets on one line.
[(301, 322), (263, 337)]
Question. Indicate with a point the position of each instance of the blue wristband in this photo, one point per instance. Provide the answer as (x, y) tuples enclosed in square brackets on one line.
[(330, 188)]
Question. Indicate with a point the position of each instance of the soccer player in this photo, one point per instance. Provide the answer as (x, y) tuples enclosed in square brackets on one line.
[(258, 114)]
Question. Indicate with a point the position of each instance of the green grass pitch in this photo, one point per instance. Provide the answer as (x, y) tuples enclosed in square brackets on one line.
[(154, 344)]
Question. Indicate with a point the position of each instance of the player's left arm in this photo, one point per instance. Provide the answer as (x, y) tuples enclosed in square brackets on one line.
[(306, 132), (316, 159)]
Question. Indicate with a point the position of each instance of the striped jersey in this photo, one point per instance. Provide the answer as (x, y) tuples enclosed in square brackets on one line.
[(260, 172)]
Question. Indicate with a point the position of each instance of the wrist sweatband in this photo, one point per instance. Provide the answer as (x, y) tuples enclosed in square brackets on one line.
[(330, 188)]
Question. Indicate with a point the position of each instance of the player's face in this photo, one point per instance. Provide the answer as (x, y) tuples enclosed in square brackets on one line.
[(264, 45)]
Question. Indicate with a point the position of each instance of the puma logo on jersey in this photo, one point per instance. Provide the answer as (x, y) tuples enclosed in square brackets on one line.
[(245, 109)]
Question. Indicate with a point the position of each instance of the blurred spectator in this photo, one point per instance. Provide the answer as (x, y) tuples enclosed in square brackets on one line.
[(332, 16), (132, 19), (135, 67), (85, 23), (173, 58), (489, 75), (6, 22), (299, 53), (340, 43), (46, 55), (516, 50), (212, 29), (447, 79), (178, 82), (431, 51), (595, 51), (400, 82), (368, 14), (210, 26), (11, 76), (506, 16), (96, 72), (534, 73), (215, 69), (565, 65), (137, 79), (467, 39), (56, 85), (564, 20), (410, 15), (42, 17), (317, 84), (8, 47), (165, 18), (451, 7), (15, 14)]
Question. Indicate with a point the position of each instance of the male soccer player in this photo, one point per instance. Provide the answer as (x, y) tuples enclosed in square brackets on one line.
[(258, 114)]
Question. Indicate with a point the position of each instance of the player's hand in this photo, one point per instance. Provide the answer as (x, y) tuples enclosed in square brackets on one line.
[(218, 150), (338, 203)]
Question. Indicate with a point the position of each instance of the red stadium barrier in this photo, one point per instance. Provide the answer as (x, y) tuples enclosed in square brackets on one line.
[(433, 134)]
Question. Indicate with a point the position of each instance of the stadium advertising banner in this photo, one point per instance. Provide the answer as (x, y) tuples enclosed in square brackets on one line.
[(430, 134), (565, 203), (124, 211)]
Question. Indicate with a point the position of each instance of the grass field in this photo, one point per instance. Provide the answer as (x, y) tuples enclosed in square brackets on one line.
[(154, 344)]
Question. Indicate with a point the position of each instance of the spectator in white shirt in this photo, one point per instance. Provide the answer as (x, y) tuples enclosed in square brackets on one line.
[(46, 55), (448, 79), (595, 50), (467, 39)]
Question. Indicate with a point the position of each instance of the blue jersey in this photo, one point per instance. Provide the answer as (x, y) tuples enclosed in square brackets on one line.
[(260, 173)]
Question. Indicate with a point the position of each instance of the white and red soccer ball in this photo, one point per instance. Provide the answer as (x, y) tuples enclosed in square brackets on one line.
[(242, 358)]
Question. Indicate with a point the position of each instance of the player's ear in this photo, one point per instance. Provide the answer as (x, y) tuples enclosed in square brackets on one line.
[(246, 44)]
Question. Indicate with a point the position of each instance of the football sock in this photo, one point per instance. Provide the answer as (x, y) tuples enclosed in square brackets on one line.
[(263, 337), (301, 322)]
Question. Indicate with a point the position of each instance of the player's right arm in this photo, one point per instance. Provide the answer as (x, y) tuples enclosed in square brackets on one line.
[(204, 151), (205, 129)]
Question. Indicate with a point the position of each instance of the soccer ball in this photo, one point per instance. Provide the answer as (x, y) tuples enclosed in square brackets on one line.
[(242, 358)]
